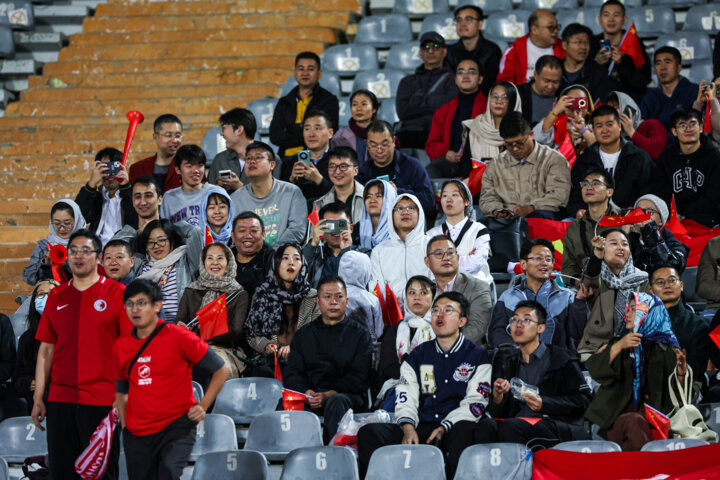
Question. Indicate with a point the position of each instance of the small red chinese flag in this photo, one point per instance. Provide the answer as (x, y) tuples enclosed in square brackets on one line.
[(278, 373), (58, 255), (567, 149), (208, 236), (631, 46), (213, 318), (395, 314), (659, 421), (293, 400), (636, 216), (314, 218), (673, 223), (378, 293), (475, 178), (707, 124), (715, 336)]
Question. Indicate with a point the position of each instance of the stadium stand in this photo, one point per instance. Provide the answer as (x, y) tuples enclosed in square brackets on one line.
[(495, 461), (672, 444), (406, 462), (276, 434), (321, 463), (588, 446), (231, 464)]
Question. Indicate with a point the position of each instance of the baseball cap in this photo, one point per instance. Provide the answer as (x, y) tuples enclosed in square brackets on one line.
[(432, 37)]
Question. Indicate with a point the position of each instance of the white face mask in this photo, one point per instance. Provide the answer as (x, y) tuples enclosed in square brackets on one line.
[(40, 303)]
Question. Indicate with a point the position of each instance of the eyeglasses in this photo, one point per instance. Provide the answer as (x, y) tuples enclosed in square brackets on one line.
[(129, 305), (256, 158), (553, 28), (461, 73), (651, 211), (85, 251), (447, 310), (466, 19), (160, 242), (343, 167), (671, 282), (539, 259), (499, 98), (169, 135), (516, 145), (405, 209), (523, 322), (687, 125), (42, 295), (593, 183), (439, 254), (63, 226), (379, 146), (433, 46)]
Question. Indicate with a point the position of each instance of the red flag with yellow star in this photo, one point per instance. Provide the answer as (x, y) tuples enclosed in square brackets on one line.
[(293, 400), (213, 318), (673, 223), (208, 236), (636, 216), (631, 46)]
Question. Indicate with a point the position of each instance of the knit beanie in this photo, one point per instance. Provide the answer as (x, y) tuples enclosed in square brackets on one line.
[(660, 205)]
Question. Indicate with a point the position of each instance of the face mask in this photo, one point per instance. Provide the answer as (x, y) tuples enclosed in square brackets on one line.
[(40, 303)]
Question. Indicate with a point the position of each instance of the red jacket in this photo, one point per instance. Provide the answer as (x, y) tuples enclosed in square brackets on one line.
[(514, 65), (146, 166), (438, 142), (651, 137)]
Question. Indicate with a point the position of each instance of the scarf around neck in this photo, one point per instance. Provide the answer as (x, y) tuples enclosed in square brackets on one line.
[(158, 268), (423, 332), (628, 281), (53, 238), (213, 285)]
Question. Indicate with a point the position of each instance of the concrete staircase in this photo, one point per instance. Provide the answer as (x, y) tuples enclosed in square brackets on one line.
[(192, 58)]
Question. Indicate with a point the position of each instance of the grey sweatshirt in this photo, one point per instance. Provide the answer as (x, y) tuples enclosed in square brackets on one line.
[(178, 205)]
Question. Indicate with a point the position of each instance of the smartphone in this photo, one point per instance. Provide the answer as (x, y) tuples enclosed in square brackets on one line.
[(113, 168), (384, 177), (336, 226), (605, 45), (304, 157), (578, 103), (225, 173)]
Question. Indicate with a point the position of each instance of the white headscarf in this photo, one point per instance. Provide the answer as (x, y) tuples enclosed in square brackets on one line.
[(54, 238), (484, 137)]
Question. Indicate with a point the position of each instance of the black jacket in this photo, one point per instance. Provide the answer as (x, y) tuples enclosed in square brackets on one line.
[(419, 95), (657, 248), (90, 202), (330, 357), (284, 132), (694, 180), (525, 92), (310, 190), (624, 76), (250, 275), (486, 53), (591, 75), (632, 175)]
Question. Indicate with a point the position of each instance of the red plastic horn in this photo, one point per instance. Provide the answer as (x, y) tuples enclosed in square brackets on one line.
[(58, 253), (135, 119)]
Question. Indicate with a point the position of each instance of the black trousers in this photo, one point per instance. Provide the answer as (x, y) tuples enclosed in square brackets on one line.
[(69, 428), (162, 455), (547, 432)]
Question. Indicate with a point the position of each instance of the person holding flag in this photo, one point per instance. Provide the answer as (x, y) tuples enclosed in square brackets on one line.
[(217, 212)]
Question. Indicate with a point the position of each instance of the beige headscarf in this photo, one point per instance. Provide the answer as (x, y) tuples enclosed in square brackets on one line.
[(483, 137)]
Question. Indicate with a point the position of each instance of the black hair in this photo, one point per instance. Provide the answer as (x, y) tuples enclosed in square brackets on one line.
[(33, 317), (140, 286), (331, 279), (166, 226), (460, 186), (537, 306), (163, 119), (373, 182), (61, 206), (119, 243), (220, 197), (655, 268), (550, 61), (148, 180), (248, 214), (607, 232), (576, 29), (277, 259), (671, 50), (685, 114), (480, 70), (510, 91), (534, 242), (112, 154), (309, 56), (335, 207), (613, 2), (603, 111), (478, 11), (455, 297), (422, 279), (316, 114), (343, 152), (83, 233), (513, 124), (191, 154), (607, 178), (261, 146), (370, 95), (380, 126), (240, 117), (437, 238)]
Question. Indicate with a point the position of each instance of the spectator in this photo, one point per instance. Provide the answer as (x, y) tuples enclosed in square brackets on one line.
[(330, 359), (217, 211), (469, 21), (378, 201), (158, 417), (146, 203), (689, 170), (168, 136), (471, 238), (404, 172), (119, 261), (253, 256), (518, 61), (673, 92), (79, 374), (443, 389), (444, 143), (280, 205), (402, 255), (105, 199), (651, 244), (690, 330), (283, 303), (707, 284), (65, 219), (312, 177), (708, 93), (442, 260), (342, 169), (566, 312), (624, 75), (28, 346), (183, 203), (238, 128), (363, 306), (648, 134), (609, 278), (481, 134), (324, 249), (363, 109), (562, 392), (528, 179), (217, 277), (286, 125), (420, 95), (627, 382), (629, 166), (537, 95), (167, 259), (597, 187), (578, 68), (568, 118)]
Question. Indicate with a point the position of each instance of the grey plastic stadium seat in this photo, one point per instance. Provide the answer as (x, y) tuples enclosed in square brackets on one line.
[(231, 465), (4, 470), (20, 438), (404, 57), (711, 415), (672, 444), (588, 446), (406, 462), (416, 8), (384, 30), (490, 5), (692, 45), (320, 463), (349, 59), (442, 23), (7, 44), (495, 461), (675, 3), (598, 3), (383, 83), (701, 70), (689, 279), (548, 4), (19, 15), (197, 391), (328, 81), (651, 21), (507, 25), (243, 399), (703, 18), (584, 16), (214, 434), (387, 112), (212, 144), (344, 112), (263, 110), (275, 434)]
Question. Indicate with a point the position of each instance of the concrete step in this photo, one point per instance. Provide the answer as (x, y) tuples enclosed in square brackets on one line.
[(42, 175), (119, 9), (47, 190), (22, 220), (115, 119), (32, 205), (20, 235), (13, 267), (107, 133), (65, 147), (21, 250)]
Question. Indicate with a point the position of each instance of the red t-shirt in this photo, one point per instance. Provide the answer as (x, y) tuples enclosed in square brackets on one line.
[(160, 384), (83, 326)]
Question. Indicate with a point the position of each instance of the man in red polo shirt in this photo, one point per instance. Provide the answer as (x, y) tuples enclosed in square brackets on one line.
[(167, 133), (81, 321), (154, 387)]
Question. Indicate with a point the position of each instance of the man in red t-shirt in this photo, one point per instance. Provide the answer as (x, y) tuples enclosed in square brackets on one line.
[(154, 394), (80, 322)]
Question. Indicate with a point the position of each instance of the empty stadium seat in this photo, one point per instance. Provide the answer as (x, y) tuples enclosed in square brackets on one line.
[(4, 470), (417, 8), (349, 59), (214, 434), (442, 23), (689, 279), (230, 465), (598, 3), (588, 446), (584, 16), (701, 70), (275, 434), (703, 18), (507, 25), (672, 444), (387, 112), (197, 391), (548, 4), (675, 3), (405, 57), (383, 83), (344, 112), (19, 15), (711, 415), (243, 399), (406, 462), (328, 81), (490, 5), (652, 21), (263, 110), (7, 44), (20, 438), (212, 144), (320, 463), (495, 461), (384, 30), (692, 45)]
